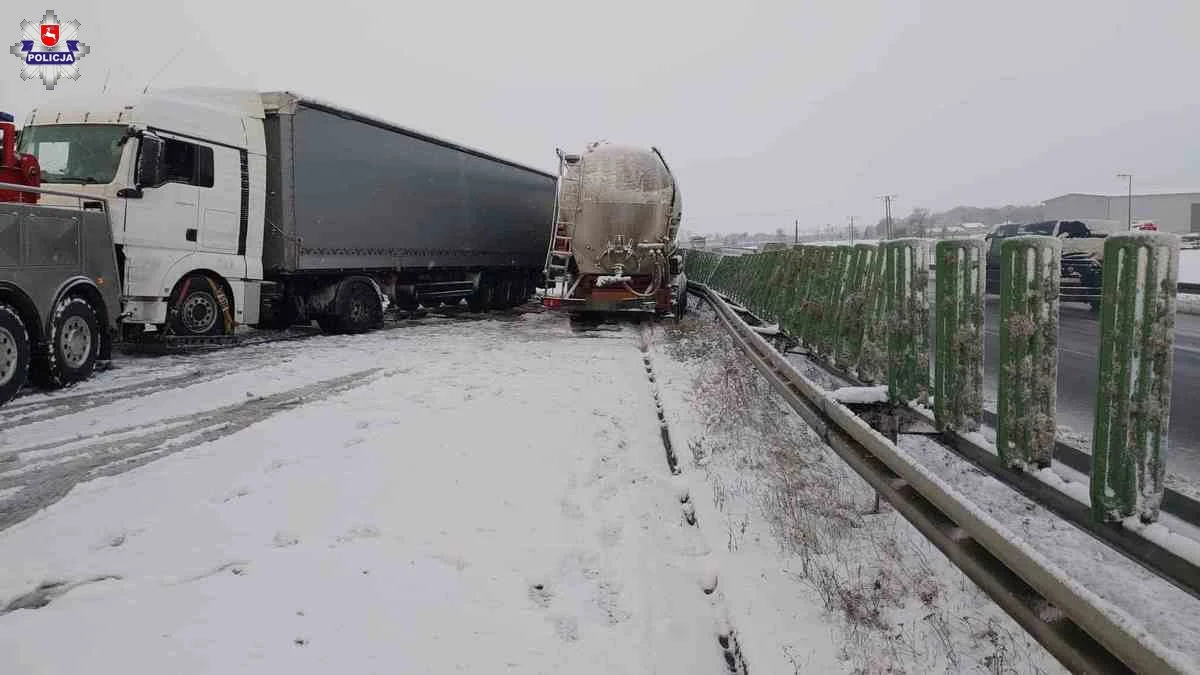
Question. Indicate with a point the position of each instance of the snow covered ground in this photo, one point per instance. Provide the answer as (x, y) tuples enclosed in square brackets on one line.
[(805, 558), (457, 495), (442, 497)]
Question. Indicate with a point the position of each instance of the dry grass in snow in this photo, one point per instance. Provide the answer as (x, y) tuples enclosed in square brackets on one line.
[(782, 498)]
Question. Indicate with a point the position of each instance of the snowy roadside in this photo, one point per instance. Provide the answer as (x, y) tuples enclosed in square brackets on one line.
[(482, 500), (1165, 612), (796, 531)]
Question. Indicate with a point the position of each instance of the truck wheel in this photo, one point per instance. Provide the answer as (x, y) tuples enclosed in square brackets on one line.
[(14, 353), (359, 308), (74, 344), (196, 311)]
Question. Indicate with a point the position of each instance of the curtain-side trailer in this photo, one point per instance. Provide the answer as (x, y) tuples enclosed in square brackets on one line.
[(233, 207)]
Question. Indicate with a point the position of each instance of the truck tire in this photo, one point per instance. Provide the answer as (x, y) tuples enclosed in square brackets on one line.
[(196, 310), (14, 353), (75, 342), (358, 308)]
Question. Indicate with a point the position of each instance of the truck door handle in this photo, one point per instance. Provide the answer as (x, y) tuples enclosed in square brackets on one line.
[(186, 203), (191, 234)]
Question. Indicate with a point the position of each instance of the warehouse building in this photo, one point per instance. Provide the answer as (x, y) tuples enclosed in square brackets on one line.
[(1177, 212)]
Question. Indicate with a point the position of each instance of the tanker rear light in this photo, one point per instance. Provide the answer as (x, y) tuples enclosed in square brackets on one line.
[(551, 303)]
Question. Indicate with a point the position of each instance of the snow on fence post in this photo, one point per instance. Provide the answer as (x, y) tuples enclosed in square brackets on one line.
[(958, 368), (1133, 399), (1029, 286), (854, 306), (906, 281)]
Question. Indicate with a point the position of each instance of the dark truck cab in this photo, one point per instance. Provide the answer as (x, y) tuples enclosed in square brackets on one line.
[(59, 290)]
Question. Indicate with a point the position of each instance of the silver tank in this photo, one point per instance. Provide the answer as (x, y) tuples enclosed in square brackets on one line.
[(626, 210)]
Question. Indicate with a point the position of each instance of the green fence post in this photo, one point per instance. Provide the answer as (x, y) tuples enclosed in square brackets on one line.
[(810, 307), (872, 361), (906, 281), (853, 323), (1029, 287), (1133, 399), (843, 266), (830, 302), (958, 368)]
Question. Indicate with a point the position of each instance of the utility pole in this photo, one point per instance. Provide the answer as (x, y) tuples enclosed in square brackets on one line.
[(887, 210), (851, 230), (797, 240), (1129, 211)]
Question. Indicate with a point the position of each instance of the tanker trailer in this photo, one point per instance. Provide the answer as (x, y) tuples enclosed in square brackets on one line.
[(613, 245)]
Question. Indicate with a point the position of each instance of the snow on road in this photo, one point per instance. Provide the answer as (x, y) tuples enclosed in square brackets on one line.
[(437, 498)]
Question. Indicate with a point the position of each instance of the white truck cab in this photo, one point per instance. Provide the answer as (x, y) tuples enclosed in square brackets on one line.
[(184, 174)]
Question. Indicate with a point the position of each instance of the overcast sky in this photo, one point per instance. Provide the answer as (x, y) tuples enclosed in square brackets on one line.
[(766, 111)]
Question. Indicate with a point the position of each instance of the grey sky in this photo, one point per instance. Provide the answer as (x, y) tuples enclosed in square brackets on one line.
[(767, 111)]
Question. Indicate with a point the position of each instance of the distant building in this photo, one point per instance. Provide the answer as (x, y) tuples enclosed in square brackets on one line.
[(697, 243), (1177, 212)]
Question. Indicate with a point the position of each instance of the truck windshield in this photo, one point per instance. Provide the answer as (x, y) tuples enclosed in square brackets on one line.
[(75, 153)]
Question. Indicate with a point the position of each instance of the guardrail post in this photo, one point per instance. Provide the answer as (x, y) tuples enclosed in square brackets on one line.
[(1029, 285), (958, 368), (906, 281), (1133, 399)]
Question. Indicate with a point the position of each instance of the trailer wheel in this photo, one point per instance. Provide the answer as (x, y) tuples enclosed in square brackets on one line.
[(358, 308), (196, 310), (74, 344), (14, 353)]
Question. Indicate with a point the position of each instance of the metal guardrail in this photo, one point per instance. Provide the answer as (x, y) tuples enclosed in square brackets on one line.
[(1018, 578)]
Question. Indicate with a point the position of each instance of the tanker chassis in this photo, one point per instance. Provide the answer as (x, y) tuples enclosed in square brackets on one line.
[(265, 209)]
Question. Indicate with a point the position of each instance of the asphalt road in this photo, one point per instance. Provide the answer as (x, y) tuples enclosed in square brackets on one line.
[(1078, 371)]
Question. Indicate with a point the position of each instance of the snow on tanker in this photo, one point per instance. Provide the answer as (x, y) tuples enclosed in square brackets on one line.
[(613, 246)]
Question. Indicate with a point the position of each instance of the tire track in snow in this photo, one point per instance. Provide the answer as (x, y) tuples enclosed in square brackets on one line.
[(137, 445), (731, 649), (42, 409)]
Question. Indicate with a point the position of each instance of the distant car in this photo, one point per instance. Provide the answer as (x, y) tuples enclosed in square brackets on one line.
[(1082, 254)]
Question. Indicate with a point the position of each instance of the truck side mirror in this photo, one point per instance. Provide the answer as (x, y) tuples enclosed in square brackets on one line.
[(150, 161)]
